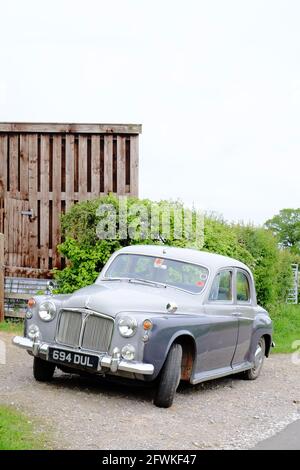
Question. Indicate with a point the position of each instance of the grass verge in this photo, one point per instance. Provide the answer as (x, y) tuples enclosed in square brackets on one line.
[(16, 327), (17, 431), (286, 324)]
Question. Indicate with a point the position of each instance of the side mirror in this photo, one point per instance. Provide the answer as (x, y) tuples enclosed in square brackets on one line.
[(50, 287), (171, 307)]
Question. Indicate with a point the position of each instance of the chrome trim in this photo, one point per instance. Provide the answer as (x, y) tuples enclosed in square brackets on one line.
[(114, 362), (85, 313), (210, 375)]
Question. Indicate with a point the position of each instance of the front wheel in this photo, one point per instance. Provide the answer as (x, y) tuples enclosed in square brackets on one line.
[(259, 357), (169, 378), (43, 370)]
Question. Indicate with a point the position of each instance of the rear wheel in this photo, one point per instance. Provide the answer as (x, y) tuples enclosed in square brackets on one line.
[(169, 378), (259, 357), (43, 370)]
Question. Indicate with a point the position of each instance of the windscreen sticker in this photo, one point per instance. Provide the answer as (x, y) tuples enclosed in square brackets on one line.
[(159, 263), (200, 283)]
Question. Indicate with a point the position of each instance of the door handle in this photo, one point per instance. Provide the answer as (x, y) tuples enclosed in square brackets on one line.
[(236, 314)]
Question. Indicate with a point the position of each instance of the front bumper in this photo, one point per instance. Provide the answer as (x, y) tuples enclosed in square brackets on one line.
[(113, 363)]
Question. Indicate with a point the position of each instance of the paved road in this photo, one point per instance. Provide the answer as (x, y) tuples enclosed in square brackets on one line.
[(288, 439)]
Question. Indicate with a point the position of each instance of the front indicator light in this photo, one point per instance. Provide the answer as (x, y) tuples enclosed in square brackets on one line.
[(31, 303), (147, 325)]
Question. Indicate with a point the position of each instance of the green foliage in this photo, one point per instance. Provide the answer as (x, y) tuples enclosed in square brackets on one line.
[(16, 327), (222, 238), (87, 254), (266, 269), (286, 325), (286, 225)]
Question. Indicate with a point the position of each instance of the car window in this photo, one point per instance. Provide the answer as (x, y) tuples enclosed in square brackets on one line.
[(187, 276), (242, 287), (222, 287)]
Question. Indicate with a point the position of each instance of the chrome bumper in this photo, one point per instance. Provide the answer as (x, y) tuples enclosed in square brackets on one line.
[(114, 362)]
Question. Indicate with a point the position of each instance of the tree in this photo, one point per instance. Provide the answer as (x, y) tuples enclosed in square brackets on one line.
[(286, 226)]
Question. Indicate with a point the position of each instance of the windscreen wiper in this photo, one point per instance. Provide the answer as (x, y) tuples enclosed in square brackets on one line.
[(146, 281)]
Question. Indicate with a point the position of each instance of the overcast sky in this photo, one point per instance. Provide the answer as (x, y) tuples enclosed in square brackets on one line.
[(215, 83)]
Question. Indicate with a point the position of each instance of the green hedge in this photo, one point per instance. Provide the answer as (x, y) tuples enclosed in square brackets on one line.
[(257, 247)]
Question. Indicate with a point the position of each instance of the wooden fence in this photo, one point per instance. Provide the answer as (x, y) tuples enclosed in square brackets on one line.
[(1, 277), (44, 169)]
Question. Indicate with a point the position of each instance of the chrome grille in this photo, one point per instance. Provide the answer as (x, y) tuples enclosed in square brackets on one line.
[(93, 333), (97, 333), (69, 328)]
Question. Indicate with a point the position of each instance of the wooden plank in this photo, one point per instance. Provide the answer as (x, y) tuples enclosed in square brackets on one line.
[(21, 271), (95, 176), (15, 295), (108, 164), (44, 212), (69, 194), (32, 186), (82, 168), (13, 164), (121, 164), (6, 231), (23, 241), (24, 164), (56, 199), (3, 178), (71, 128), (134, 166), (1, 277), (11, 230), (3, 164), (16, 314)]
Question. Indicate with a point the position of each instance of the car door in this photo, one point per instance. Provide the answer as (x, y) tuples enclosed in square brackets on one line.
[(222, 335), (244, 297)]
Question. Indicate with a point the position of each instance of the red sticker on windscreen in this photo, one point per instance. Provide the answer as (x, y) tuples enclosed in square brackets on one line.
[(159, 263), (200, 283)]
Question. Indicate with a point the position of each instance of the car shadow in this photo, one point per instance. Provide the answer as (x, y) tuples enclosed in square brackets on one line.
[(132, 390), (113, 386)]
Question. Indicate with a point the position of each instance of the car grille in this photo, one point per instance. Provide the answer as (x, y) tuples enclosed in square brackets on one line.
[(92, 333)]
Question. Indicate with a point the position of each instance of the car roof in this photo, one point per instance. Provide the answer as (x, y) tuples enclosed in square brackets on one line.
[(211, 260)]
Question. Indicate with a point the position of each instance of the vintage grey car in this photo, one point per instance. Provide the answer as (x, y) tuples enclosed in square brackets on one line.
[(155, 313)]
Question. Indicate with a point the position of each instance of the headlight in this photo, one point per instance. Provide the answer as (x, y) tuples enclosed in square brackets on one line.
[(47, 311), (127, 326), (128, 352), (33, 332)]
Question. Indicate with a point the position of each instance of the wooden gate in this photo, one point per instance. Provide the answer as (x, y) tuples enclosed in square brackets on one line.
[(44, 169)]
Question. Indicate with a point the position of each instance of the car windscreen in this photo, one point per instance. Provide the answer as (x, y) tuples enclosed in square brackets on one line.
[(186, 276)]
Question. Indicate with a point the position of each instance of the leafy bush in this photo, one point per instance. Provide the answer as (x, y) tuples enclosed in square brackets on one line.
[(87, 254), (271, 267)]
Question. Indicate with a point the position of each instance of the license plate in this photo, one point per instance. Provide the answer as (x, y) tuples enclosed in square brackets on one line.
[(71, 358)]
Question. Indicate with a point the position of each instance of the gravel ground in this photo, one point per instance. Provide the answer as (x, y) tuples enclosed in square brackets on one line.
[(82, 413)]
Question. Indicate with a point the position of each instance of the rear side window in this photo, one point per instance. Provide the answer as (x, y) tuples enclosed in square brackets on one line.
[(242, 287), (222, 287)]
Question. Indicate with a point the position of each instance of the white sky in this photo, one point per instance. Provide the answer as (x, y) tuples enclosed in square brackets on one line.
[(216, 85)]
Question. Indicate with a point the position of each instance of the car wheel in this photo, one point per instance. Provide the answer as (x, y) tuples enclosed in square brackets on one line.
[(259, 357), (169, 378), (43, 370)]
